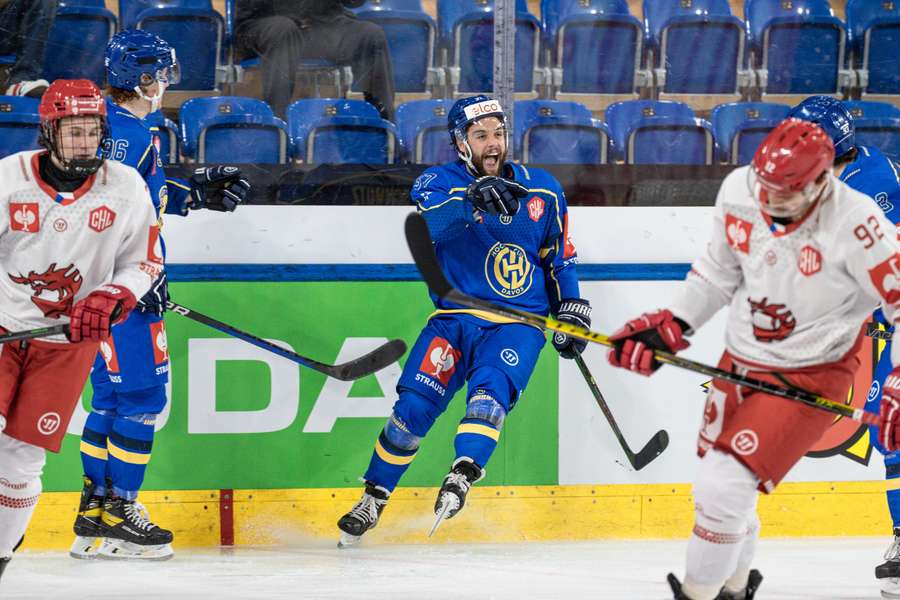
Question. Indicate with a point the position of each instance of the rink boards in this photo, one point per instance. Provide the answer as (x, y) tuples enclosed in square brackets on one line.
[(332, 282)]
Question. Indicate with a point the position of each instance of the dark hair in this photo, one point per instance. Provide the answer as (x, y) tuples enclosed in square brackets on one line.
[(120, 95), (847, 157)]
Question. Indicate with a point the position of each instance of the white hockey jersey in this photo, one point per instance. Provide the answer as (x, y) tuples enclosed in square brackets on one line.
[(798, 294), (56, 248)]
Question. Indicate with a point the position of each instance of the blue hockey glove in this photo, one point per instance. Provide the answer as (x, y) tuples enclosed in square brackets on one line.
[(577, 312), (154, 301), (219, 188), (495, 195)]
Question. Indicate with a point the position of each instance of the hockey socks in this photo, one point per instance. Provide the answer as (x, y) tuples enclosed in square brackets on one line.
[(20, 487), (129, 444), (388, 464), (476, 439), (94, 453), (892, 474)]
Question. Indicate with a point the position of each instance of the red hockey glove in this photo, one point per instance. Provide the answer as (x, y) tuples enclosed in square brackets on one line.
[(634, 344), (93, 315), (889, 425)]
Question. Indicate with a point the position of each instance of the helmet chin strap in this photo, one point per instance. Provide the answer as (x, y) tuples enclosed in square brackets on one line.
[(154, 100), (467, 158)]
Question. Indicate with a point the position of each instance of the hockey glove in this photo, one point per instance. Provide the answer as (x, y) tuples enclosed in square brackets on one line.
[(577, 312), (154, 301), (93, 315), (218, 188), (633, 345), (495, 195), (889, 425)]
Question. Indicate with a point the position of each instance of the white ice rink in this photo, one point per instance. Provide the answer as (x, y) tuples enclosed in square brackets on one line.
[(808, 568)]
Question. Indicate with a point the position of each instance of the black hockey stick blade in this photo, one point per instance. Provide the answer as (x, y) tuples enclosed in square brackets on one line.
[(651, 449), (30, 334), (418, 239), (357, 368), (656, 446)]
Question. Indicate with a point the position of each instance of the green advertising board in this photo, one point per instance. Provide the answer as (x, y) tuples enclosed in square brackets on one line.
[(223, 430)]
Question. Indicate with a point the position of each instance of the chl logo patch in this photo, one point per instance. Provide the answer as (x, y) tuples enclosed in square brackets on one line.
[(745, 442), (101, 218), (24, 216), (508, 270), (535, 209), (48, 423), (810, 261), (440, 360), (737, 232)]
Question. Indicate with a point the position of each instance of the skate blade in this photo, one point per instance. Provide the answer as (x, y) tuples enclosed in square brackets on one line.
[(441, 515), (85, 548), (348, 541), (122, 550)]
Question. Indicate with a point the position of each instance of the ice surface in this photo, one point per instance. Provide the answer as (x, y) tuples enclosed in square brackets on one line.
[(796, 568)]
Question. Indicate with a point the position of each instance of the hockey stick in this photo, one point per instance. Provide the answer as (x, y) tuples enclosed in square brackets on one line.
[(34, 333), (419, 241), (657, 444), (366, 364), (874, 331)]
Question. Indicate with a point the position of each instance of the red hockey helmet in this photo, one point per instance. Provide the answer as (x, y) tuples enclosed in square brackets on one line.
[(72, 98), (786, 173)]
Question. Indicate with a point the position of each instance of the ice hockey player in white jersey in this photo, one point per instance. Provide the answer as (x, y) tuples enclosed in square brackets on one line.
[(801, 260), (78, 245)]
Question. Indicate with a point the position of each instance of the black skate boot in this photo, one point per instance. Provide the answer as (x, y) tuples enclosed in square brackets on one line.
[(676, 587), (88, 526), (753, 580), (888, 572), (363, 516), (452, 495), (131, 534)]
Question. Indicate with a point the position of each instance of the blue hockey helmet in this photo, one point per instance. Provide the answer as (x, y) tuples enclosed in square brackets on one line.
[(833, 117), (135, 57), (466, 111)]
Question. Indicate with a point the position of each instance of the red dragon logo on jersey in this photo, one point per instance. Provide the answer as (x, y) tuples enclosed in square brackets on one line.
[(64, 282), (771, 322)]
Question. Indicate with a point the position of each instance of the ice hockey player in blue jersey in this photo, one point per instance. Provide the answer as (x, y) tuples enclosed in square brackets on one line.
[(131, 371), (866, 169), (501, 233)]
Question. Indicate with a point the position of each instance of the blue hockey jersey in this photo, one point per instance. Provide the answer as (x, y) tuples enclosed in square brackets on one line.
[(135, 143), (525, 261)]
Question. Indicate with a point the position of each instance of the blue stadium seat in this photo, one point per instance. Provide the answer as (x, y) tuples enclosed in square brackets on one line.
[(449, 13), (192, 27), (597, 48), (740, 127), (329, 130), (232, 129), (19, 124), (422, 131), (411, 36), (552, 132), (877, 124), (798, 45), (77, 42), (698, 47), (168, 136), (874, 31), (659, 132)]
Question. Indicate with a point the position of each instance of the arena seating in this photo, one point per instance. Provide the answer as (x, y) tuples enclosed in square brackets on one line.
[(874, 30), (229, 129), (19, 124), (327, 130), (422, 131), (659, 132), (739, 127), (80, 33), (552, 132), (877, 124)]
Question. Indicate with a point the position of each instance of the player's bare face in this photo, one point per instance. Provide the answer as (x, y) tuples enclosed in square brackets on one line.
[(487, 139), (79, 137)]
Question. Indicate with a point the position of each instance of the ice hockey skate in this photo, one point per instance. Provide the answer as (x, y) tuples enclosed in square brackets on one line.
[(753, 581), (88, 526), (131, 535), (888, 572), (452, 495), (363, 516)]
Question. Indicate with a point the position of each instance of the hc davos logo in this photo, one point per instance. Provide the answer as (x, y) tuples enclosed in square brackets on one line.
[(507, 270)]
